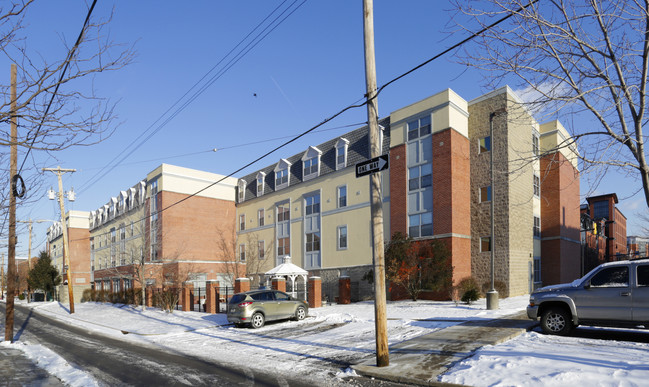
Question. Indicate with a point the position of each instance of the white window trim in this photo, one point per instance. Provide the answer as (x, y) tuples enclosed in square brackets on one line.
[(261, 249), (261, 214), (283, 164), (242, 191), (261, 175), (338, 237), (338, 196), (242, 253), (341, 143), (242, 222), (310, 154)]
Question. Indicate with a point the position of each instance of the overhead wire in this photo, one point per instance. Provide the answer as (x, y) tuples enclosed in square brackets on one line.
[(335, 115), (255, 41)]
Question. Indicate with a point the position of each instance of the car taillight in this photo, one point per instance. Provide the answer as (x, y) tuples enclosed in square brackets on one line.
[(244, 304)]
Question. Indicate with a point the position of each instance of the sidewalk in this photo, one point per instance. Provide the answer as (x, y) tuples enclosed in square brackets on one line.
[(422, 359), (17, 370)]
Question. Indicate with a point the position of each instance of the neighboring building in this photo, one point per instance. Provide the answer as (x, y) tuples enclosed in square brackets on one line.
[(603, 210), (166, 229), (78, 237), (637, 246), (593, 241)]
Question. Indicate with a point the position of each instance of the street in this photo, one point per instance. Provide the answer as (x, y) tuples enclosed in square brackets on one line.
[(113, 362)]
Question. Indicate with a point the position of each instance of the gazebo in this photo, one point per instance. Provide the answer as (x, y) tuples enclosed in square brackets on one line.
[(291, 271)]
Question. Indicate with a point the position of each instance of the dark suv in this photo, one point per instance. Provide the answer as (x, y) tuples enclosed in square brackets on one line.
[(613, 294), (258, 306)]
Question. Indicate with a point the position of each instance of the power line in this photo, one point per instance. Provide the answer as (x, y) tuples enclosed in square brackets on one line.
[(349, 107), (256, 40)]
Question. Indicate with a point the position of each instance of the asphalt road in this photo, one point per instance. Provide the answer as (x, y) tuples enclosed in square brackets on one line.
[(118, 363)]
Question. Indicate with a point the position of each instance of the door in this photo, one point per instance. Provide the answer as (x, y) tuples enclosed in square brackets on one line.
[(285, 306), (607, 298), (641, 295)]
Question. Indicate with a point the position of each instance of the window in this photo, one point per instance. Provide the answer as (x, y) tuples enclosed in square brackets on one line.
[(537, 186), (537, 269), (242, 222), (342, 196), (311, 167), (537, 227), (485, 194), (419, 128), (535, 144), (311, 163), (643, 275), (283, 246), (485, 144), (112, 235), (283, 212), (312, 230), (260, 183), (420, 190), (342, 237), (312, 204), (485, 244), (282, 230), (261, 249), (341, 153), (281, 177), (611, 277), (260, 217), (241, 191), (242, 253), (600, 210)]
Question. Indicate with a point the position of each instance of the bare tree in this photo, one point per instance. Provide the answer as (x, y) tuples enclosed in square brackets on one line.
[(589, 58), (255, 259), (56, 104)]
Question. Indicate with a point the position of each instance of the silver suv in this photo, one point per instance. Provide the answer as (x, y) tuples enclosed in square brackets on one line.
[(258, 306), (612, 294)]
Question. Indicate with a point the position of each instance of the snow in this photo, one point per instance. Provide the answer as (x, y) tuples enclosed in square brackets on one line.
[(333, 337)]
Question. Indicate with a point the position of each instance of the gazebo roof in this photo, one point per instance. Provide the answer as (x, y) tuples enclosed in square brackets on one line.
[(286, 268)]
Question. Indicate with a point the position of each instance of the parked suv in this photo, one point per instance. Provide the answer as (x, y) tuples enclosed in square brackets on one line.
[(612, 294), (258, 306)]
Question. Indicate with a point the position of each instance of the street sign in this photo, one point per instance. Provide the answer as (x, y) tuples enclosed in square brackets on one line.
[(376, 164)]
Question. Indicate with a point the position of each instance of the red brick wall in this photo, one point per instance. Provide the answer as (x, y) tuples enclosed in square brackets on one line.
[(560, 220), (79, 241), (398, 190)]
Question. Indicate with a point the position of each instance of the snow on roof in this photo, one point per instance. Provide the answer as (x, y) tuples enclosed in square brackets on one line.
[(286, 268)]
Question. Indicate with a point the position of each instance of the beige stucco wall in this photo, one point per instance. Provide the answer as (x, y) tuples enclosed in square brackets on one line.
[(189, 181)]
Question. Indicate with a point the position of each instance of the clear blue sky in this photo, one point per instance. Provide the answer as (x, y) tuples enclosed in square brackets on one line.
[(308, 68)]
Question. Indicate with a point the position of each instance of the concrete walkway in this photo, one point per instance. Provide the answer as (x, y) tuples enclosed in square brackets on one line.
[(422, 359), (17, 370)]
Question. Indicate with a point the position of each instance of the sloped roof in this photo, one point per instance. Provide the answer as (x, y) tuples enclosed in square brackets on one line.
[(286, 268)]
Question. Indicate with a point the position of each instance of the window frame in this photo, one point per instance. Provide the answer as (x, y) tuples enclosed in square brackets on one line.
[(242, 252), (536, 228), (242, 222), (486, 140), (483, 192), (261, 214), (482, 242), (339, 237), (340, 197), (537, 185)]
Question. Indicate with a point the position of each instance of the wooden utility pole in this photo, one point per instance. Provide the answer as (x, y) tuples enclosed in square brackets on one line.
[(13, 170), (381, 322), (64, 228), (2, 277)]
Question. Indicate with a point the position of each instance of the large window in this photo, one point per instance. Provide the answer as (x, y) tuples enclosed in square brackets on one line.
[(312, 230), (612, 277), (600, 210), (420, 179), (537, 227), (537, 186), (282, 230)]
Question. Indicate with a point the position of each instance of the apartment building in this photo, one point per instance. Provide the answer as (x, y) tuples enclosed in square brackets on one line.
[(78, 240), (312, 208), (637, 246), (612, 223), (165, 229)]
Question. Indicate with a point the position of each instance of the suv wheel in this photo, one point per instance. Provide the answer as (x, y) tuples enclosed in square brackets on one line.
[(257, 320), (556, 321), (300, 313)]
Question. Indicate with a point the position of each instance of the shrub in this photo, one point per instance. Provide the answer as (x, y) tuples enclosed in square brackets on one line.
[(468, 290), (21, 296), (500, 287), (470, 296)]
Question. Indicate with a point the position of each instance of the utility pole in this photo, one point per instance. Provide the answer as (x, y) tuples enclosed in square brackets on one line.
[(2, 277), (64, 227), (380, 318), (13, 170), (29, 249)]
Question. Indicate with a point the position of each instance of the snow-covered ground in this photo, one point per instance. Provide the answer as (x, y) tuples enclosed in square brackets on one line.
[(335, 336)]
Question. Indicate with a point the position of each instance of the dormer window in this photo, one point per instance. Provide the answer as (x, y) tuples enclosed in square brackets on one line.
[(241, 191), (311, 163), (260, 183), (282, 177), (341, 153)]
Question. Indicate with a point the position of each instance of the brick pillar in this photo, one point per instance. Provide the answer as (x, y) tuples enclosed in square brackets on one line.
[(212, 297), (314, 292), (149, 296), (241, 285), (186, 296), (344, 290), (278, 283)]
